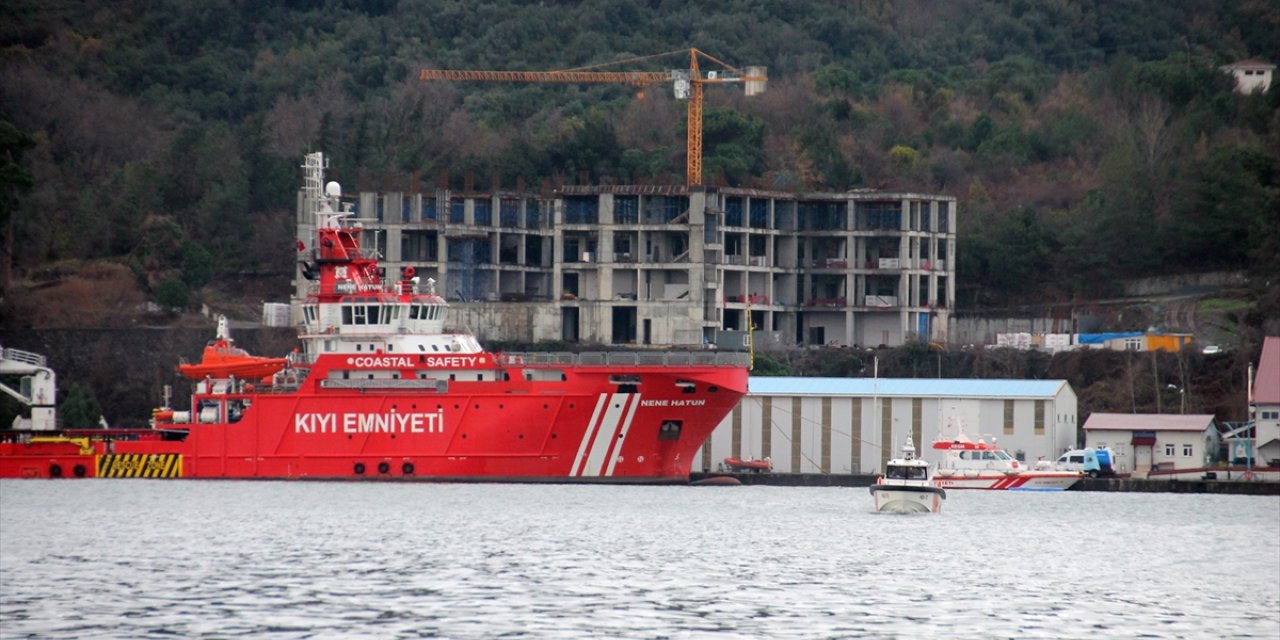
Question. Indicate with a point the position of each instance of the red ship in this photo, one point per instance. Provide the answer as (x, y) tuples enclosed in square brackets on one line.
[(381, 390)]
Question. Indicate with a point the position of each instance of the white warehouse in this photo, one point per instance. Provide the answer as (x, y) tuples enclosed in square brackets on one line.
[(854, 425)]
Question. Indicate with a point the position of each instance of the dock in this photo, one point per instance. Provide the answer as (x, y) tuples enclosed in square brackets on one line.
[(1236, 487)]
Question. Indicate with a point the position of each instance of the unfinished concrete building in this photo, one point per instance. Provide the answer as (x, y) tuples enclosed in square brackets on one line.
[(670, 266)]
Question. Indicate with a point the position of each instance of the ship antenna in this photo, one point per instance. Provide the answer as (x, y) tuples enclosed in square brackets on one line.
[(322, 196)]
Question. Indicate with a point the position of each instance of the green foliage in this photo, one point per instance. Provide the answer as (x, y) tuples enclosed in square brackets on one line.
[(79, 408), (1236, 194), (1109, 120), (172, 293), (14, 178), (764, 365), (197, 265), (732, 145), (904, 156)]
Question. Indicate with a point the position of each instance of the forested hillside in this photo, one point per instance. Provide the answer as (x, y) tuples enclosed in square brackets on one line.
[(151, 147)]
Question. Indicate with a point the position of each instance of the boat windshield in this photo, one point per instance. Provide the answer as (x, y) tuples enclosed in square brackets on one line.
[(907, 473)]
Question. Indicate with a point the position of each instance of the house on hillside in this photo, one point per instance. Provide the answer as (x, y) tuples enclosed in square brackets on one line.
[(1250, 75), (1144, 442), (1264, 405)]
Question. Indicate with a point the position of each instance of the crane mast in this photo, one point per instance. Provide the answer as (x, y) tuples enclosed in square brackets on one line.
[(686, 83)]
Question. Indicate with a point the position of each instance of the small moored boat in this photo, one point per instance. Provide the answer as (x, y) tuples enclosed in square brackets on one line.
[(747, 465), (906, 486)]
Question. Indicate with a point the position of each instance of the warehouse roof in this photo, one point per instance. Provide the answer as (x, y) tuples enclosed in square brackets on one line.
[(905, 387)]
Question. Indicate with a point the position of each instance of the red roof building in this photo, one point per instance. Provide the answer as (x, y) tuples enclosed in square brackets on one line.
[(1264, 404), (1146, 442)]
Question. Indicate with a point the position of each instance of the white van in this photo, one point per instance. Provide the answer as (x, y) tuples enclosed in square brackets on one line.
[(1091, 462)]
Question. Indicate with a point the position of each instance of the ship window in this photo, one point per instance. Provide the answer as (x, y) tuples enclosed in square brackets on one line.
[(421, 348), (346, 315), (358, 315), (359, 347), (435, 347)]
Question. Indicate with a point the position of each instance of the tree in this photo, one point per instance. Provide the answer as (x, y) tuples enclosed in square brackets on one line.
[(14, 178), (79, 409), (172, 293)]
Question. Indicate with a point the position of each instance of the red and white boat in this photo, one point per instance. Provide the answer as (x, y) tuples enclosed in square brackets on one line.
[(382, 390), (978, 465)]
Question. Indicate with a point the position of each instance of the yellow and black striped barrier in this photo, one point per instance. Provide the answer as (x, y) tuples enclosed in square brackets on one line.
[(140, 465)]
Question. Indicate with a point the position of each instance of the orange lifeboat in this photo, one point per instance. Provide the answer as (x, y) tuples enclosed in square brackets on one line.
[(222, 359)]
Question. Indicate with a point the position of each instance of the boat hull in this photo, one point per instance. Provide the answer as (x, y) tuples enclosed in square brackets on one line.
[(501, 432), (1024, 481), (891, 498)]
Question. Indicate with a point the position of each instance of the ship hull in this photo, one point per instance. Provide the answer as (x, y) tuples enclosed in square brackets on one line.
[(1024, 481), (584, 430), (897, 498)]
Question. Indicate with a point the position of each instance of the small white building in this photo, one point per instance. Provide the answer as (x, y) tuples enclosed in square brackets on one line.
[(1264, 405), (1146, 442), (1251, 75), (854, 425)]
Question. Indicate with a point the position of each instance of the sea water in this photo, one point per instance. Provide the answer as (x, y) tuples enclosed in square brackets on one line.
[(179, 559)]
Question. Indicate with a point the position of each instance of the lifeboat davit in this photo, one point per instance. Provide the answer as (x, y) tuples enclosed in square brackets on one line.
[(222, 359)]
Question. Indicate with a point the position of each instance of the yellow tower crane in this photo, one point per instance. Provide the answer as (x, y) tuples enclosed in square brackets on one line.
[(686, 83)]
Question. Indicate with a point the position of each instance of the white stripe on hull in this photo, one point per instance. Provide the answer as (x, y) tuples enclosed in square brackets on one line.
[(606, 434), (614, 454), (587, 436)]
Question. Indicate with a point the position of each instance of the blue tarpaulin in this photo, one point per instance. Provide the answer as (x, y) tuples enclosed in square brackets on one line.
[(1101, 338)]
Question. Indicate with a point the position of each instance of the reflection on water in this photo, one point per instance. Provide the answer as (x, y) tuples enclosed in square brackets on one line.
[(139, 558)]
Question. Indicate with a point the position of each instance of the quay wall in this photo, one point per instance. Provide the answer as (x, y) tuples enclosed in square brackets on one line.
[(1255, 488)]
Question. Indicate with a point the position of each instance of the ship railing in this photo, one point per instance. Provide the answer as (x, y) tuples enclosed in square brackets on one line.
[(25, 357), (628, 358)]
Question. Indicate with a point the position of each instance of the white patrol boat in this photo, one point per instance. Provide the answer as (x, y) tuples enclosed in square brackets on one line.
[(906, 486)]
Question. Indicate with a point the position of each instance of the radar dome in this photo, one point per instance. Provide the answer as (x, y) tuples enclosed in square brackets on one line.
[(333, 190)]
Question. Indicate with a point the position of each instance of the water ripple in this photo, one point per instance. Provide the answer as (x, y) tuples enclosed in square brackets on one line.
[(312, 560)]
